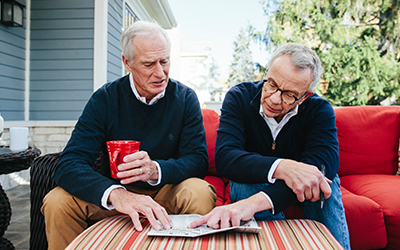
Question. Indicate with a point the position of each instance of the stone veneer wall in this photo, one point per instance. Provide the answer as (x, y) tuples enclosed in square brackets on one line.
[(48, 136)]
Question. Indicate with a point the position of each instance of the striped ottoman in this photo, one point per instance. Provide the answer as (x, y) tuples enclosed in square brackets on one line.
[(118, 233)]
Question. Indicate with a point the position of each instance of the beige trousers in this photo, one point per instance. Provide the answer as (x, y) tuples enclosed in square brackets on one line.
[(66, 216)]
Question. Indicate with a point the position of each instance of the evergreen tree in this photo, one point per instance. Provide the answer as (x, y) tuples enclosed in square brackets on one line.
[(214, 70), (242, 68), (358, 42)]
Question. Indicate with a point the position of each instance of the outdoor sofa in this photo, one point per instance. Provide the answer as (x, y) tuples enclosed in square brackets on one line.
[(368, 142)]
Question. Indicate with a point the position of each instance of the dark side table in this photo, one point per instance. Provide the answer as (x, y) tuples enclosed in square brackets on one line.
[(11, 162)]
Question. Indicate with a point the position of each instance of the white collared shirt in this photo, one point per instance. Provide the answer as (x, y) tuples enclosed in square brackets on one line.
[(275, 128), (106, 193), (141, 98)]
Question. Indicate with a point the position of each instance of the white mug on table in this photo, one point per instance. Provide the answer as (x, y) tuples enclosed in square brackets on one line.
[(18, 139)]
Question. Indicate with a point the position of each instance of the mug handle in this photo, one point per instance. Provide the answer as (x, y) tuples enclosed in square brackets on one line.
[(114, 157)]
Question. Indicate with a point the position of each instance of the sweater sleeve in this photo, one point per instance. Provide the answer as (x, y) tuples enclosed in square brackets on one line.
[(74, 172), (321, 143), (232, 159), (191, 159)]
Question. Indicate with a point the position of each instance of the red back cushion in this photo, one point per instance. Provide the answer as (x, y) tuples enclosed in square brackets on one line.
[(368, 139), (211, 122)]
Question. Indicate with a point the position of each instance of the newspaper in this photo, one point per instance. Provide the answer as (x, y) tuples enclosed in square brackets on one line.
[(183, 220)]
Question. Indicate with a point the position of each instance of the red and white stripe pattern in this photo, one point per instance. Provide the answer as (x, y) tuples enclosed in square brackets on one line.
[(118, 233)]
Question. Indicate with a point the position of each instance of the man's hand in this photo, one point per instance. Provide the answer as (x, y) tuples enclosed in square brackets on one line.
[(134, 204), (137, 167), (231, 215), (305, 180)]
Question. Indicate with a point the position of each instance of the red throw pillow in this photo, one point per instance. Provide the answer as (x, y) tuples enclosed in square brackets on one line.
[(368, 139), (211, 122)]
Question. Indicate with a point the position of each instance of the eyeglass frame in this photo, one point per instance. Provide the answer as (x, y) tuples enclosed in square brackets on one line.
[(283, 91)]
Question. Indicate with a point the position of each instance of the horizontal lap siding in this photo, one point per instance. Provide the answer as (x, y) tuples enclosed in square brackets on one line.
[(12, 72), (114, 61), (61, 77)]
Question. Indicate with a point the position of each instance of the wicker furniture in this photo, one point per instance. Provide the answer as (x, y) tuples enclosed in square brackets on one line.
[(42, 181), (11, 162)]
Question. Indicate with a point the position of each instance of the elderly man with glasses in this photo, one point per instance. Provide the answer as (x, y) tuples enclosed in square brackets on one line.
[(278, 145)]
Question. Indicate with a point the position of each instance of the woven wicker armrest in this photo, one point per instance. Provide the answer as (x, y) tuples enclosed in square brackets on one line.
[(42, 181)]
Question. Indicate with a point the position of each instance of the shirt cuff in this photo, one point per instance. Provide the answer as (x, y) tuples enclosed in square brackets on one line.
[(272, 171), (156, 182), (104, 199), (270, 201)]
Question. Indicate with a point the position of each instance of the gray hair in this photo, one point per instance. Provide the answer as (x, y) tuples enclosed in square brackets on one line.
[(149, 29), (302, 57)]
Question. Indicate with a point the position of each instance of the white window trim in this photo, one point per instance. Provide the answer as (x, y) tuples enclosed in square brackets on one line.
[(27, 60), (100, 43)]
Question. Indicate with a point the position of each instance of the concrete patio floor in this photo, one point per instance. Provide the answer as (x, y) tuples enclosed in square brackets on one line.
[(18, 231)]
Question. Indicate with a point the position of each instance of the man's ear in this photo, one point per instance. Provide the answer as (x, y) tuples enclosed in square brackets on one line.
[(305, 97), (126, 63)]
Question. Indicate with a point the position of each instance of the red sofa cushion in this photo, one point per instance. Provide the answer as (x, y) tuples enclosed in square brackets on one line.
[(368, 137), (227, 194), (210, 122), (384, 190), (219, 185), (365, 221)]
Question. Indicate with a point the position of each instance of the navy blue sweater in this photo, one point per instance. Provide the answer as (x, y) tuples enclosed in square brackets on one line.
[(171, 131), (244, 141)]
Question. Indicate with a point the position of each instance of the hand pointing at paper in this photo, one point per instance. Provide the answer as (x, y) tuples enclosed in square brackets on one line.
[(231, 215)]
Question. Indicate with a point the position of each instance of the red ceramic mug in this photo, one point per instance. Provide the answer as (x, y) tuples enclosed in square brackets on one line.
[(117, 150)]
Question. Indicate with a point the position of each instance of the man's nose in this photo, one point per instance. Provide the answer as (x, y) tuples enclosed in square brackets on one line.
[(158, 70), (276, 97)]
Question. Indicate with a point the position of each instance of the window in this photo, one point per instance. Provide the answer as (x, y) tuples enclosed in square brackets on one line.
[(130, 16)]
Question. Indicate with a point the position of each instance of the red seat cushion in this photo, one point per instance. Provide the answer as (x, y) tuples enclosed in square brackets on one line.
[(227, 194), (365, 221), (210, 122), (219, 185), (368, 137), (384, 190)]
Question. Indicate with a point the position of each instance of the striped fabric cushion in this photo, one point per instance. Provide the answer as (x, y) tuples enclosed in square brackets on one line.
[(118, 233)]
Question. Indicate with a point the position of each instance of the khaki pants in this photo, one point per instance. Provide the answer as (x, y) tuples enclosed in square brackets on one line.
[(66, 216)]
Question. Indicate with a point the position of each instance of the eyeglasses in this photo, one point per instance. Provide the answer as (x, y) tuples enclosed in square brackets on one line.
[(286, 96)]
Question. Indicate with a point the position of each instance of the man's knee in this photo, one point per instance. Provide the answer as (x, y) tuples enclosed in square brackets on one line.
[(65, 217), (199, 195), (58, 203), (55, 200)]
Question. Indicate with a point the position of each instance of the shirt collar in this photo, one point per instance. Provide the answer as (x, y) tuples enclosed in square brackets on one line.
[(141, 98), (273, 123)]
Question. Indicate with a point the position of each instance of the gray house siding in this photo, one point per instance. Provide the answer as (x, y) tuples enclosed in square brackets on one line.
[(12, 72), (62, 40), (114, 63), (61, 59)]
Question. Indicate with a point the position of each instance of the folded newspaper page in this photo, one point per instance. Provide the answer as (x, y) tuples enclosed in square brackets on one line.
[(181, 222)]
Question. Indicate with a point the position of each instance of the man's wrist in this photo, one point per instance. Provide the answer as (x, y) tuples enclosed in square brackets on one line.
[(105, 199), (270, 205), (272, 170), (157, 181), (280, 171)]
